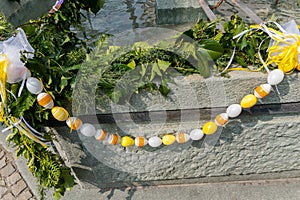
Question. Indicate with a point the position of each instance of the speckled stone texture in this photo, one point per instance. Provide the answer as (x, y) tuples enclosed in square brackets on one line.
[(250, 144), (178, 11), (18, 13)]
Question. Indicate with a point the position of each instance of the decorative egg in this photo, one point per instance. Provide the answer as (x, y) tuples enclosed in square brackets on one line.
[(155, 141), (140, 141), (196, 134), (182, 137), (234, 110), (59, 113), (101, 134), (262, 91), (88, 130), (221, 119), (34, 85), (275, 77), (168, 139), (248, 101), (113, 139), (74, 123), (209, 128), (127, 141), (45, 100)]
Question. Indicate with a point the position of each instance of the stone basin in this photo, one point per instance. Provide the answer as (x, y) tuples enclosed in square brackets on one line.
[(261, 143)]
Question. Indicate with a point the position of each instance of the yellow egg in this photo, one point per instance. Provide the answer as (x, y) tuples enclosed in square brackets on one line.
[(168, 139), (209, 128), (59, 113), (74, 123), (248, 101), (45, 100), (127, 141)]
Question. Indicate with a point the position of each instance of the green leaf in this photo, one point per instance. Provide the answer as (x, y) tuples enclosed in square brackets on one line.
[(163, 65), (63, 83), (115, 96), (68, 179), (244, 43), (143, 70), (163, 88), (132, 64), (212, 47), (66, 40), (155, 71), (56, 195)]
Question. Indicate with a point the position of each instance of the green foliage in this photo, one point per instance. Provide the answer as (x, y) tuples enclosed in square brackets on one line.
[(6, 29), (220, 45), (57, 59)]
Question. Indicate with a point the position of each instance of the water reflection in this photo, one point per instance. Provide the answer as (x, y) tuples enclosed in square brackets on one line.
[(120, 15)]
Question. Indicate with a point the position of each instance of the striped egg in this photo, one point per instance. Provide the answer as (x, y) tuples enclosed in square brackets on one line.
[(113, 139), (34, 85), (221, 119), (168, 139), (248, 101), (59, 113), (45, 100), (101, 134), (74, 123), (140, 141), (126, 141), (196, 134), (262, 91), (182, 137), (209, 128), (155, 141)]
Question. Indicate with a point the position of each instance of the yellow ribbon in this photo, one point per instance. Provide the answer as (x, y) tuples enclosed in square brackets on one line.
[(24, 130), (284, 53), (4, 62)]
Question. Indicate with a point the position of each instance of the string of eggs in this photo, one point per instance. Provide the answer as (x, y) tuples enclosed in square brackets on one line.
[(45, 100)]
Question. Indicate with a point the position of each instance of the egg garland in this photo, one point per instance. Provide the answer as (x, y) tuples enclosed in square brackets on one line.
[(232, 111), (45, 100)]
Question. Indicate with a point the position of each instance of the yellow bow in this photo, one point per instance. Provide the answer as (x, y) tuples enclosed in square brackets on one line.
[(4, 62), (284, 53)]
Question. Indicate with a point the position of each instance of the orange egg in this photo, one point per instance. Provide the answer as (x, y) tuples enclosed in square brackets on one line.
[(221, 119), (45, 100), (113, 139), (140, 141), (262, 91), (182, 137), (101, 134), (74, 123)]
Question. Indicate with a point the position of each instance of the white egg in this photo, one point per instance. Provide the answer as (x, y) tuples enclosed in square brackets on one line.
[(88, 130), (34, 85), (234, 110), (196, 134), (275, 77), (155, 141)]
